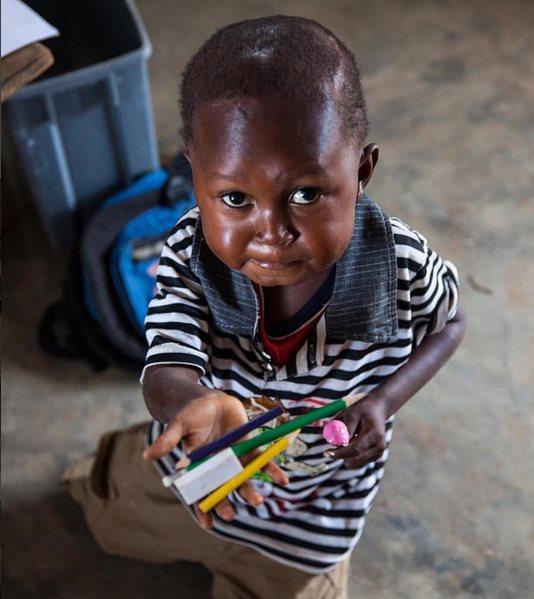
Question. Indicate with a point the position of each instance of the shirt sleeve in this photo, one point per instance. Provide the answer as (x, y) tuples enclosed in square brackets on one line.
[(432, 283), (176, 324)]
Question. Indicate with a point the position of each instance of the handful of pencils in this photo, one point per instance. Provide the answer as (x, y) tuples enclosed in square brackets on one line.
[(213, 471)]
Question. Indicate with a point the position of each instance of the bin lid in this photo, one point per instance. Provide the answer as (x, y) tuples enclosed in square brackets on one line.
[(95, 35)]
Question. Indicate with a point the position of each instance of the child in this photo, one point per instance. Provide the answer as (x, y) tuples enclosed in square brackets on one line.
[(285, 281)]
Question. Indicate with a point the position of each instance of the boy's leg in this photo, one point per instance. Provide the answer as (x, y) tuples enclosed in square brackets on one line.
[(247, 574), (130, 513), (128, 510)]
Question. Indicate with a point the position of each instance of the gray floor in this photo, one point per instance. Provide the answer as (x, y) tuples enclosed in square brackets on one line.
[(451, 97)]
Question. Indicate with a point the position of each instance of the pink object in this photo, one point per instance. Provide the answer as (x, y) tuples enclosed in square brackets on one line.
[(336, 432)]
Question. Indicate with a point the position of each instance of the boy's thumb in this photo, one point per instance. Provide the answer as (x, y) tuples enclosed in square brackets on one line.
[(166, 442)]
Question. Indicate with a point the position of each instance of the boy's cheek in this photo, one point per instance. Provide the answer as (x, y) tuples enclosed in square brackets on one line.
[(226, 243)]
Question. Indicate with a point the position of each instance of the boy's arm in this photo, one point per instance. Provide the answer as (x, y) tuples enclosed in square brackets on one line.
[(428, 303), (196, 415), (193, 413), (433, 352), (177, 327), (368, 416), (167, 389), (177, 321)]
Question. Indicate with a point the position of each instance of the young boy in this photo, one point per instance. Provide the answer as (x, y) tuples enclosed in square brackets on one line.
[(285, 281)]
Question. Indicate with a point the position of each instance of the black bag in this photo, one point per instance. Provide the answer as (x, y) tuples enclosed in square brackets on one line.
[(111, 274)]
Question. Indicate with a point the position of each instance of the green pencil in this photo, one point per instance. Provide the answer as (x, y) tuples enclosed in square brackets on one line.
[(244, 447)]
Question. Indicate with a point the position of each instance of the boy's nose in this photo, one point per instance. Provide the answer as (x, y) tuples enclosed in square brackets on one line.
[(274, 229)]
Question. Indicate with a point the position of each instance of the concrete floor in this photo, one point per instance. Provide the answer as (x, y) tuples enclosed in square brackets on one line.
[(451, 98)]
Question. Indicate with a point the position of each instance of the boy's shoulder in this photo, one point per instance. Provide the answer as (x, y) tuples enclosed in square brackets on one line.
[(409, 243), (392, 234), (411, 248), (182, 234)]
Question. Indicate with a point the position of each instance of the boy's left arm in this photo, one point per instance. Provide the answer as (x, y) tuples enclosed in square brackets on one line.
[(367, 418), (428, 299)]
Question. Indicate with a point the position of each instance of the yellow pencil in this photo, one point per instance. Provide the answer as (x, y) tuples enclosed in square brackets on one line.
[(218, 495)]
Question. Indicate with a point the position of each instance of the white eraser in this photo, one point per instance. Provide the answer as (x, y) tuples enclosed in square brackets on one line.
[(207, 477)]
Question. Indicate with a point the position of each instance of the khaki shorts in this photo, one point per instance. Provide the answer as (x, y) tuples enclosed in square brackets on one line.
[(130, 513)]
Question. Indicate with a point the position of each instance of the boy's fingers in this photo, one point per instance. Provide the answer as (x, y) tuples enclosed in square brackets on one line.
[(249, 494), (370, 455), (225, 510), (350, 418), (166, 442), (251, 455), (272, 468), (355, 448), (205, 520), (276, 473)]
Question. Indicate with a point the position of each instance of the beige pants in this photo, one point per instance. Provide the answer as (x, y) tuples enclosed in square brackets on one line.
[(131, 514)]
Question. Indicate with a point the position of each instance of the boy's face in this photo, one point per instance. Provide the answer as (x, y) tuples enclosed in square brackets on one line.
[(276, 185)]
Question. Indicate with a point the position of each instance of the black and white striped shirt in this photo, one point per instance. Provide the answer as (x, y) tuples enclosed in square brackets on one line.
[(390, 290)]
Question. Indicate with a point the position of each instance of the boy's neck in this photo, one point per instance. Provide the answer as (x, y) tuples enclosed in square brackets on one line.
[(281, 303)]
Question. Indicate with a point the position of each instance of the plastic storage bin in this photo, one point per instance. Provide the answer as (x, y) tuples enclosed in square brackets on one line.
[(85, 128)]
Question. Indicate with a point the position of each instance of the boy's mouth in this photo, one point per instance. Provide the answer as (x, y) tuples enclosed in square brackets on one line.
[(277, 265)]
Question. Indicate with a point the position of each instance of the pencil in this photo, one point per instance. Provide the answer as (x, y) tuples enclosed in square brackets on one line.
[(266, 437), (257, 464), (229, 438)]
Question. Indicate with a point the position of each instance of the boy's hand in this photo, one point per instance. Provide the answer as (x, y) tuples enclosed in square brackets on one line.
[(367, 421), (203, 420)]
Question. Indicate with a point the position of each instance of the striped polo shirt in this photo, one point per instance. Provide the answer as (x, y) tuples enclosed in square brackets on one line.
[(390, 291)]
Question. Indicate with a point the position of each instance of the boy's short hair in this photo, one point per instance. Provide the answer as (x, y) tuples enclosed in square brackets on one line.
[(278, 57)]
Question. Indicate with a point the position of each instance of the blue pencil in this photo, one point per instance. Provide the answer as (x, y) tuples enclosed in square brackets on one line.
[(229, 438)]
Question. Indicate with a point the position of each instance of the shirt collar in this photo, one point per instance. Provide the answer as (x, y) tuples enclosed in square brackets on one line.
[(364, 299)]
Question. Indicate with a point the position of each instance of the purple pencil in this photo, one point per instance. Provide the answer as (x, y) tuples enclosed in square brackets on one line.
[(229, 438)]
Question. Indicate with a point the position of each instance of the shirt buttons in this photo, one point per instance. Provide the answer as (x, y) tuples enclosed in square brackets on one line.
[(311, 355)]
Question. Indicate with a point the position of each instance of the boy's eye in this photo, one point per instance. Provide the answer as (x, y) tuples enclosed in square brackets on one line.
[(304, 195), (235, 199)]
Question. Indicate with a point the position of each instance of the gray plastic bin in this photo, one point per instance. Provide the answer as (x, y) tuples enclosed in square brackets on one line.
[(85, 128)]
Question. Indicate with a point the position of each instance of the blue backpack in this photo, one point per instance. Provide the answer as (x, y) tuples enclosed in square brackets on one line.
[(112, 275)]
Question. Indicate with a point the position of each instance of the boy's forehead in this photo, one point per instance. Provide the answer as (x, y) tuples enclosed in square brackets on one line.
[(248, 129)]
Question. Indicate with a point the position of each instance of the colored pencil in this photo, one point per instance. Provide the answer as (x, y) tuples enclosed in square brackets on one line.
[(257, 464), (266, 437), (229, 438), (330, 409)]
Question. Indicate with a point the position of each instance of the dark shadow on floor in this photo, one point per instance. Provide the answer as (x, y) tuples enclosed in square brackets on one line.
[(48, 553)]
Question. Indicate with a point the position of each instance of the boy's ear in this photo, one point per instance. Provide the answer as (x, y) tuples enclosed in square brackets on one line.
[(368, 162)]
